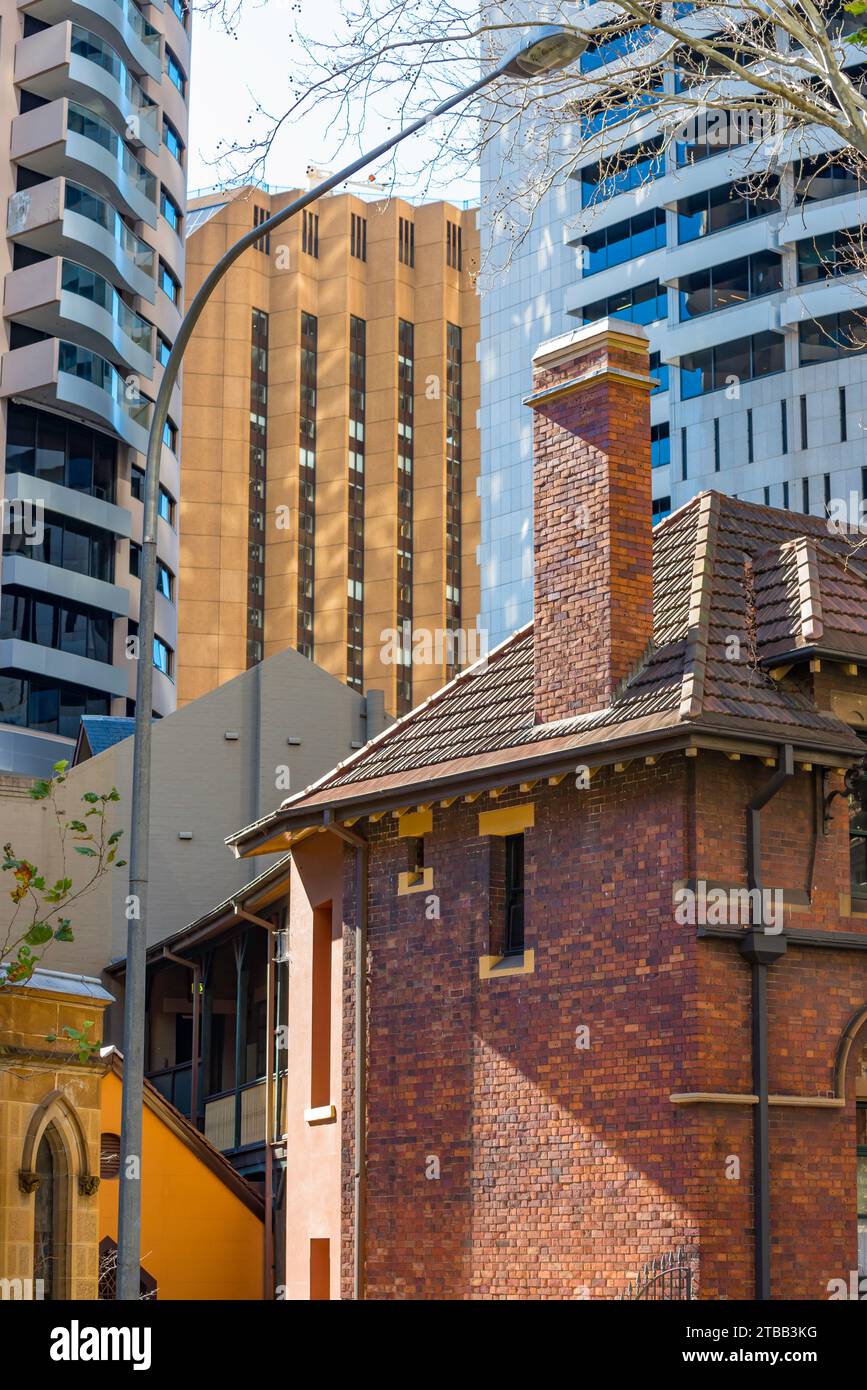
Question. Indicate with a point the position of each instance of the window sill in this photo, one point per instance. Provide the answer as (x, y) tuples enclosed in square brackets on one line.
[(497, 967), (415, 883), (321, 1114)]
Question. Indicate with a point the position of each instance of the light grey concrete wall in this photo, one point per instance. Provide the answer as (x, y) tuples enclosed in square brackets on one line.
[(203, 784)]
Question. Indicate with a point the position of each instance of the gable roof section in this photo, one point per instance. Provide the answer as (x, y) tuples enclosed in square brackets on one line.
[(730, 578), (97, 732)]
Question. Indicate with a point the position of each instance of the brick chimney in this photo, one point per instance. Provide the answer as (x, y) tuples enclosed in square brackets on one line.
[(593, 601)]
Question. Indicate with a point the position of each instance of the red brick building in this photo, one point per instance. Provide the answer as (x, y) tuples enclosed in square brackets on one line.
[(577, 1042)]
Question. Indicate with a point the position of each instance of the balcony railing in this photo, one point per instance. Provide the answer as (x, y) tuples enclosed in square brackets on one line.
[(89, 366), (84, 123), (175, 1084), (83, 201), (95, 50), (220, 1117), (77, 279)]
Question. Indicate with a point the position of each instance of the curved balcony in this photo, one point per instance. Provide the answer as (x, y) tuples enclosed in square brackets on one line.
[(63, 218), (120, 22), (64, 299), (74, 379), (64, 138), (68, 60)]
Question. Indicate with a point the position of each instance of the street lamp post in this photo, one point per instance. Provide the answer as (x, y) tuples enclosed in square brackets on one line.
[(548, 49)]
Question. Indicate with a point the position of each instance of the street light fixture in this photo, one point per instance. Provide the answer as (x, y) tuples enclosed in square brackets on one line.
[(546, 49)]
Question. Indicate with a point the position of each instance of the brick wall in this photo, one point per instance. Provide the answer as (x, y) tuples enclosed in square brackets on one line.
[(562, 1169)]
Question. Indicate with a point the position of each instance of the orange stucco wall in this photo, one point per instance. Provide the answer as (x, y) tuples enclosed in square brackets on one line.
[(198, 1239)]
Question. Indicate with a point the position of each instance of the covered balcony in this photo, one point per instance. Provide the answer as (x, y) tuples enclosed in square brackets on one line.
[(120, 22), (64, 138), (67, 300), (71, 378), (68, 60), (63, 218)]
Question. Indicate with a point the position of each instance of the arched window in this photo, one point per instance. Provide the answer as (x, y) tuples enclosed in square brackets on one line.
[(49, 1244)]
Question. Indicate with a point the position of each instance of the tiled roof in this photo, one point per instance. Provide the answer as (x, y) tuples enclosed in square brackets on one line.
[(105, 730), (733, 584)]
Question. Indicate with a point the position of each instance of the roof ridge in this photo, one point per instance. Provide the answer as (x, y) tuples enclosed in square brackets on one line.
[(698, 620), (810, 617)]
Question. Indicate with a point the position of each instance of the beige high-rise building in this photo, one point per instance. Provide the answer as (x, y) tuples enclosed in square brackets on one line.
[(330, 445), (93, 129)]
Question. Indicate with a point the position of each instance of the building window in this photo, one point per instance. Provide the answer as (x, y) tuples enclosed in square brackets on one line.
[(805, 433), (661, 507), (805, 495), (170, 211), (310, 233), (49, 1238), (137, 483), (109, 1156), (454, 252), (635, 236), (844, 429), (714, 209), (71, 545), (784, 427), (164, 349), (258, 486), (513, 939), (166, 506), (641, 304), (819, 178), (454, 483), (51, 707), (355, 537), (163, 656), (175, 72), (723, 286), (358, 237), (684, 455), (170, 435), (831, 336), (405, 454), (786, 495), (54, 450), (307, 486), (263, 243), (169, 284), (750, 437), (181, 9), (406, 241), (320, 1008), (56, 623), (165, 581), (826, 257), (745, 359), (660, 445), (622, 174), (172, 141), (659, 372)]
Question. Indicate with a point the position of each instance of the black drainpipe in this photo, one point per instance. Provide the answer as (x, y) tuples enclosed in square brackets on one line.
[(761, 949)]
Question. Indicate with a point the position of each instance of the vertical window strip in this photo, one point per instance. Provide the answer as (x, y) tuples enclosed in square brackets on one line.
[(355, 559), (256, 506), (454, 393), (405, 367), (750, 438), (844, 431), (307, 485)]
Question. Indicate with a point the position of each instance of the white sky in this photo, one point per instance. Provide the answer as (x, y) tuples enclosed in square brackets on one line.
[(230, 74)]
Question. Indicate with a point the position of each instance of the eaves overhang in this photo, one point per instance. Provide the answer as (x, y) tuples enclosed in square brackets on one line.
[(352, 801)]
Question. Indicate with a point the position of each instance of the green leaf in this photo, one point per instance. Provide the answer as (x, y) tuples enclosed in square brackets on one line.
[(61, 766), (90, 797), (85, 849), (77, 825), (38, 883), (40, 790), (121, 864), (38, 934), (64, 931), (114, 837)]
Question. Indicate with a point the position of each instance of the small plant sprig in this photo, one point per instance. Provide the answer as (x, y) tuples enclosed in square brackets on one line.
[(84, 1046), (40, 909)]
